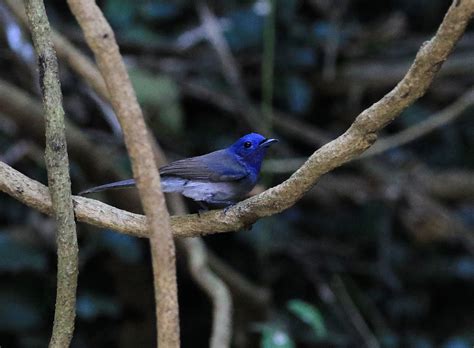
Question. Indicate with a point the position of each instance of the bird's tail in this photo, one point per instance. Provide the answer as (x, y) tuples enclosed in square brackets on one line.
[(113, 185)]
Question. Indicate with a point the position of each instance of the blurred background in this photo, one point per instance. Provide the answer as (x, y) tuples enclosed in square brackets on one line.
[(379, 254)]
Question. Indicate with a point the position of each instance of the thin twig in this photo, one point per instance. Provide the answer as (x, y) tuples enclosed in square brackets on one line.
[(20, 150), (449, 184), (268, 62), (101, 39), (377, 74), (354, 314), (26, 112), (424, 127), (229, 66), (57, 165), (216, 289), (251, 293), (285, 124), (65, 50)]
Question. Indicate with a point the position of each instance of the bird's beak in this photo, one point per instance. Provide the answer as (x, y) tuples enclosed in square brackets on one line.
[(268, 142)]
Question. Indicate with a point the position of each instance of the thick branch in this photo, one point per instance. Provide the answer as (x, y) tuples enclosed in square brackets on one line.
[(341, 150), (57, 164), (101, 39)]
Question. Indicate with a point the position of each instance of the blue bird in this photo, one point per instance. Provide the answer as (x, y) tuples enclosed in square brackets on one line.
[(221, 177)]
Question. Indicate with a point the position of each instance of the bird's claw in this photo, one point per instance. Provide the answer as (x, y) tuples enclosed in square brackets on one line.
[(226, 209)]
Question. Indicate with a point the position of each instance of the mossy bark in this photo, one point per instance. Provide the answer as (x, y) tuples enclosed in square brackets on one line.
[(57, 165)]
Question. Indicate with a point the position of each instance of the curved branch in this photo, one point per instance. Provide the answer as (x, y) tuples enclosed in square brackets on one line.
[(424, 127), (348, 146), (353, 142), (218, 292)]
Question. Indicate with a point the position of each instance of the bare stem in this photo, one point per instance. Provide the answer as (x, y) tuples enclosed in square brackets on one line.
[(424, 127), (57, 164), (101, 39)]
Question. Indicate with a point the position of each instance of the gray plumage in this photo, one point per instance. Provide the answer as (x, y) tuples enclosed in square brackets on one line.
[(220, 177)]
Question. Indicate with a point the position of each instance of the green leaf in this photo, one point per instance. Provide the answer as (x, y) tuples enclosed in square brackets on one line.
[(310, 315), (276, 338)]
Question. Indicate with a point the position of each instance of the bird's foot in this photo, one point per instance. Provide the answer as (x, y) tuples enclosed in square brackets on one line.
[(202, 208), (228, 205)]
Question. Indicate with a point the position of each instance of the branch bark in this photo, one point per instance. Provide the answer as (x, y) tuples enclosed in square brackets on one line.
[(199, 265), (437, 120), (57, 165), (101, 39), (26, 112), (65, 50), (216, 289), (347, 147), (341, 150)]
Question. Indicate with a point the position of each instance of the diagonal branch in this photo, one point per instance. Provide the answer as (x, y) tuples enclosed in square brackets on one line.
[(65, 50), (347, 147), (355, 140), (229, 66), (57, 165), (437, 120)]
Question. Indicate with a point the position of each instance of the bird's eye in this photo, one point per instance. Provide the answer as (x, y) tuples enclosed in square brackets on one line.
[(247, 144)]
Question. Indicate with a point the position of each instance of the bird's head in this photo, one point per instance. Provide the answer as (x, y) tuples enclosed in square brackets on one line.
[(251, 149)]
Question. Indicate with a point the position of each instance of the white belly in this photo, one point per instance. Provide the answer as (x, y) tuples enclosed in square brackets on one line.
[(198, 190)]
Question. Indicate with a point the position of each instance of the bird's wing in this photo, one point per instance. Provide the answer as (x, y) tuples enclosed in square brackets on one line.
[(216, 166)]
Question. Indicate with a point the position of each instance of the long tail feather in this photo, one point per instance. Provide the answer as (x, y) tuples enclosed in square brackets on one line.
[(113, 185)]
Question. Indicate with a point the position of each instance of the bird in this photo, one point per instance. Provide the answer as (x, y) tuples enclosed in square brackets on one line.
[(219, 178)]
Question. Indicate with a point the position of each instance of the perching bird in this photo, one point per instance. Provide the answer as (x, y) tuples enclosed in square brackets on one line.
[(221, 177)]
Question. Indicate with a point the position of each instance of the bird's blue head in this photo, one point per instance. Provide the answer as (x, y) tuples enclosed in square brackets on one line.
[(251, 149)]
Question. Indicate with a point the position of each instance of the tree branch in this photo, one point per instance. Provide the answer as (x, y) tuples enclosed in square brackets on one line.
[(199, 265), (100, 37), (65, 50), (218, 292), (26, 112), (424, 127), (355, 140), (229, 66), (339, 151), (57, 165)]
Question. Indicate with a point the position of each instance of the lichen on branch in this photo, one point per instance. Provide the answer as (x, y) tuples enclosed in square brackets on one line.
[(57, 165), (360, 135)]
